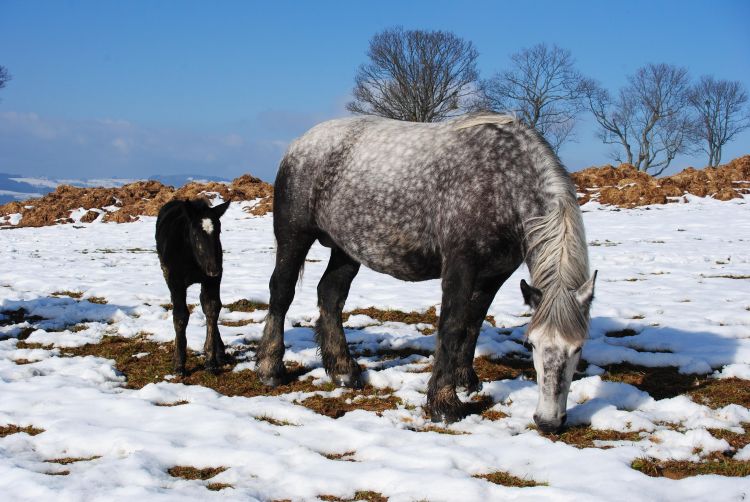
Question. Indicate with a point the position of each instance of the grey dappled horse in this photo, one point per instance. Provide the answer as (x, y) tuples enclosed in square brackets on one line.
[(467, 201)]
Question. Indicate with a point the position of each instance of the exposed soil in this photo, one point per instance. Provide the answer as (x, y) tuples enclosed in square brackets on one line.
[(132, 200), (625, 186)]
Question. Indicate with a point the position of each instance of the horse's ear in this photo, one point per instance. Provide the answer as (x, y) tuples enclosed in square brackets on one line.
[(585, 294), (531, 295), (218, 211)]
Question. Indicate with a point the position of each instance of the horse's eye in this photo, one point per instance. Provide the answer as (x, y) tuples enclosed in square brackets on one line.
[(578, 350)]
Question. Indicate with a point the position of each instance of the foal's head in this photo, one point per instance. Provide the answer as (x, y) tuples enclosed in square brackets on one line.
[(558, 328), (204, 230)]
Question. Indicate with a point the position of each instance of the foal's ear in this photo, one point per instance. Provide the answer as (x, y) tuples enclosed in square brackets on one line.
[(531, 295), (218, 211), (585, 294)]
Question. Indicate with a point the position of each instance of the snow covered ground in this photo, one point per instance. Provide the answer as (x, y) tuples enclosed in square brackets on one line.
[(677, 275)]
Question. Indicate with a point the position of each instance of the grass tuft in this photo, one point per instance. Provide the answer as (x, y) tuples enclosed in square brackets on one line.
[(367, 496), (189, 472), (507, 479), (245, 305), (7, 430)]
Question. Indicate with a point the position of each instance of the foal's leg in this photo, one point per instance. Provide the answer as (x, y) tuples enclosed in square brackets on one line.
[(211, 304), (180, 316), (481, 299), (453, 328), (290, 256), (329, 331)]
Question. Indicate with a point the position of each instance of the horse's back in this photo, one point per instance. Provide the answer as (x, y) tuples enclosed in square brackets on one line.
[(398, 196)]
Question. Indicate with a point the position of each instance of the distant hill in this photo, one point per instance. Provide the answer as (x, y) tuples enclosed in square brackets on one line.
[(15, 187)]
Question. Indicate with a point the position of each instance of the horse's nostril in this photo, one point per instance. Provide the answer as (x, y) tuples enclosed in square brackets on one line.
[(563, 419)]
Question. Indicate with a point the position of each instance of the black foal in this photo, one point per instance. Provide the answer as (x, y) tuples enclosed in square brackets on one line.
[(189, 248)]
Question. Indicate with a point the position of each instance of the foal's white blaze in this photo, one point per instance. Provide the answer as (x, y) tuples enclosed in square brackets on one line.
[(208, 225)]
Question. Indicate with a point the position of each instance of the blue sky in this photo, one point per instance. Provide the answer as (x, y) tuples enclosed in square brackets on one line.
[(130, 89)]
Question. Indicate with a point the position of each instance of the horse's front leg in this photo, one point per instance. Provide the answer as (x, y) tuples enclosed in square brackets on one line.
[(211, 304), (453, 329), (484, 292), (180, 316)]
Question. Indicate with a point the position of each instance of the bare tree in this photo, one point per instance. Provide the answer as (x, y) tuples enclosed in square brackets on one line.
[(4, 76), (415, 75), (648, 119), (543, 87), (720, 105)]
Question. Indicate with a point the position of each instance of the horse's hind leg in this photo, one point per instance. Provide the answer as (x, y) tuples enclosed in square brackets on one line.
[(481, 299), (458, 279), (211, 304), (329, 331), (180, 316), (290, 256)]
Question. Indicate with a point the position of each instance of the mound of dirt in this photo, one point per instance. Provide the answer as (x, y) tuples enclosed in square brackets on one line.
[(127, 203), (625, 186), (622, 186)]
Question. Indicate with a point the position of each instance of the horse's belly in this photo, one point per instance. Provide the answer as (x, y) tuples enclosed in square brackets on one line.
[(408, 263), (413, 266)]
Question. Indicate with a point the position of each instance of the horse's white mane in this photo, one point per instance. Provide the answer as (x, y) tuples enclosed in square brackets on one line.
[(483, 119)]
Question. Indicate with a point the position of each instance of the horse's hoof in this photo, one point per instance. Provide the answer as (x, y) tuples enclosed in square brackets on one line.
[(272, 380), (351, 381), (472, 387), (180, 371), (213, 369)]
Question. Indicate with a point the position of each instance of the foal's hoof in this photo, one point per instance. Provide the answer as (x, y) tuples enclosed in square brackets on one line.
[(447, 414), (353, 381), (180, 371)]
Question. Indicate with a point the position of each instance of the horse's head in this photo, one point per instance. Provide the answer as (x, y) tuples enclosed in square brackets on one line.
[(205, 242), (558, 328)]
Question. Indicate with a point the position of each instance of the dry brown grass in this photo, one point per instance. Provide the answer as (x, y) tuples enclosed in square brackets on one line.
[(157, 363), (245, 305), (340, 456), (584, 436), (72, 294), (369, 399), (174, 403), (367, 496), (427, 317), (215, 487), (505, 368), (71, 460), (679, 469), (7, 430), (507, 479), (188, 472), (99, 300), (667, 382)]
